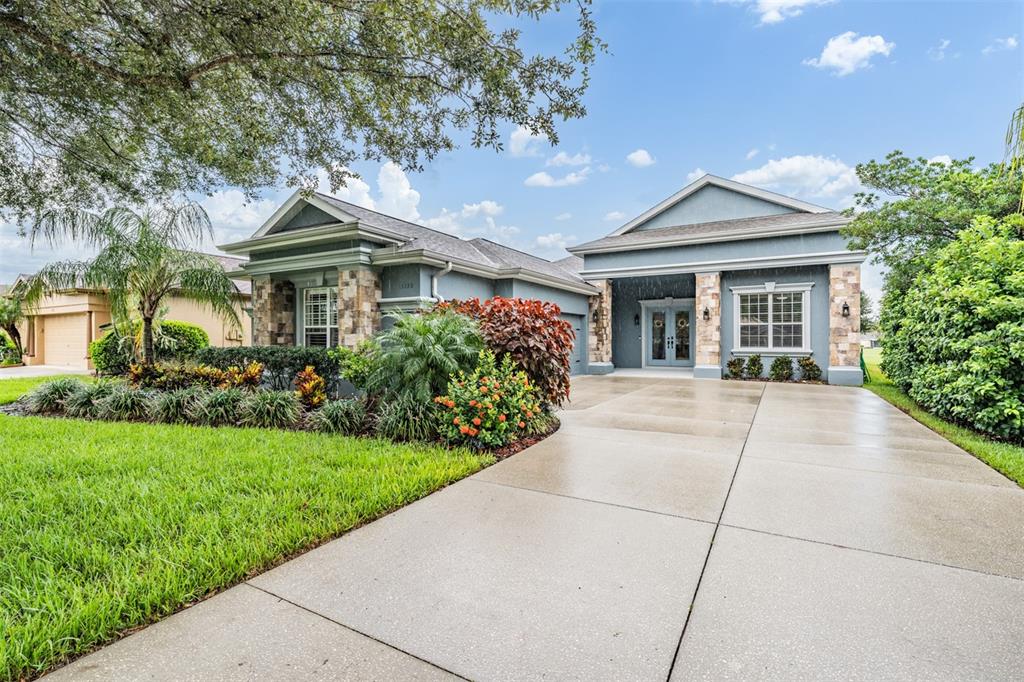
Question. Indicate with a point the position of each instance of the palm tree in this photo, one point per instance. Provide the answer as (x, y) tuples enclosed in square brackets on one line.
[(1014, 156), (142, 258)]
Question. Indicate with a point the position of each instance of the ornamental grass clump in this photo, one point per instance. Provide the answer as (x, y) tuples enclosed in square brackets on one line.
[(126, 404), (489, 407), (84, 403), (404, 418), (218, 407), (49, 398), (346, 417), (172, 407), (270, 410)]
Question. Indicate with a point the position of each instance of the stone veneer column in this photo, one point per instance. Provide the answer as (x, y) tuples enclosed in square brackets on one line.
[(599, 330), (708, 360), (273, 312), (359, 293), (844, 332)]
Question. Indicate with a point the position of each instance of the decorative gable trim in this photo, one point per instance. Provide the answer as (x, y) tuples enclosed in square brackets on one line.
[(286, 211), (707, 179)]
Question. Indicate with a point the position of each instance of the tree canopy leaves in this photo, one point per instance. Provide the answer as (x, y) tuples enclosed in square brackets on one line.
[(124, 100)]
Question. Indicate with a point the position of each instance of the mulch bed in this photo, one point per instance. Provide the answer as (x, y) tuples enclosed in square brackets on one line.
[(523, 443)]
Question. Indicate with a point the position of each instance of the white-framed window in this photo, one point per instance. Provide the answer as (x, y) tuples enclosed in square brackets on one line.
[(772, 317), (320, 317)]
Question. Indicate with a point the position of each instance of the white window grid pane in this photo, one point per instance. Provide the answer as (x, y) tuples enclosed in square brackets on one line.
[(320, 318), (771, 320)]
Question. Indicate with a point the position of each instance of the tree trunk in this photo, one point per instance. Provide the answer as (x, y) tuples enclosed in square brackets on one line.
[(12, 331), (147, 341)]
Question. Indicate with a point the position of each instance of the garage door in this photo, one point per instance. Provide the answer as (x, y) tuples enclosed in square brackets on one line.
[(64, 340), (576, 359)]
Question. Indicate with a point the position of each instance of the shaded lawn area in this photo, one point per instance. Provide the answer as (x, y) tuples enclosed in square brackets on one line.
[(1006, 458), (106, 526), (13, 388)]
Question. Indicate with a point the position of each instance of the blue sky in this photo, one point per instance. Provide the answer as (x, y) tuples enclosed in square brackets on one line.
[(787, 94)]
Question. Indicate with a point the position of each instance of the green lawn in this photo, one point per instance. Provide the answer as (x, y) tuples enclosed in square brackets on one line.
[(1005, 458), (106, 526), (12, 389)]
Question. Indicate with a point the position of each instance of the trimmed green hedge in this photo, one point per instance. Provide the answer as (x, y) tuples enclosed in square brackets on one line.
[(956, 345), (111, 353), (280, 363)]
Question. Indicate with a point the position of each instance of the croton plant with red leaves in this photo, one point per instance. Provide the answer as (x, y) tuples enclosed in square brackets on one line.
[(529, 331)]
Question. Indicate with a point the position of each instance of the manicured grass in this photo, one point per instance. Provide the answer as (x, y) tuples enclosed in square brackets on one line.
[(14, 388), (1005, 458), (106, 526)]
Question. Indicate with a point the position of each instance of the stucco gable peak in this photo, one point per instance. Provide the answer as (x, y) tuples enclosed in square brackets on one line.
[(708, 180)]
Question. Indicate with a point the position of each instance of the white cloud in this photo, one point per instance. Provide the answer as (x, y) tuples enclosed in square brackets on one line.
[(641, 158), (397, 197), (524, 143), (561, 217), (614, 215), (752, 153), (544, 179), (485, 207), (696, 174), (554, 240), (1001, 45), (777, 11), (938, 52), (944, 159), (355, 191), (815, 176), (564, 159), (848, 52), (230, 209)]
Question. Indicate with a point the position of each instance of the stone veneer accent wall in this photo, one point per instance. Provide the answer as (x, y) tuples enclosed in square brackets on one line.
[(599, 336), (273, 312), (709, 334), (844, 332), (359, 292)]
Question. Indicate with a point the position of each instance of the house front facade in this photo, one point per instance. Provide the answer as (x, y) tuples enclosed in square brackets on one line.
[(326, 272), (722, 270), (716, 271)]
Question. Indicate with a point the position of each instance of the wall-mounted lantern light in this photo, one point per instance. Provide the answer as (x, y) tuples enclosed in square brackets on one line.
[(596, 316), (707, 314), (846, 309), (636, 320)]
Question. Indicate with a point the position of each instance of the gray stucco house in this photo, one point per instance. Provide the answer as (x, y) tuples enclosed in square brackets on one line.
[(718, 270)]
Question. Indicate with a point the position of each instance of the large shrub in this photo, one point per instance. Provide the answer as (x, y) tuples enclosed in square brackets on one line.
[(280, 363), (415, 358), (531, 332), (114, 352), (488, 407), (958, 348)]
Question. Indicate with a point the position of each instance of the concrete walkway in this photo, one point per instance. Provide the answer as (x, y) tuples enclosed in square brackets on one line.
[(24, 371), (672, 530)]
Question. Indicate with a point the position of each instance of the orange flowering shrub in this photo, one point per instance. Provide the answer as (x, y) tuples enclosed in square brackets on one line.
[(310, 388), (489, 407)]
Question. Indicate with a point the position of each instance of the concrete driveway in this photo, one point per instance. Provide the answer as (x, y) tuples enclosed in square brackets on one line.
[(673, 529)]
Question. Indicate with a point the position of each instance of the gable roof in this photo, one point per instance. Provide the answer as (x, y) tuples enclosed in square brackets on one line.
[(405, 241), (719, 231), (731, 185)]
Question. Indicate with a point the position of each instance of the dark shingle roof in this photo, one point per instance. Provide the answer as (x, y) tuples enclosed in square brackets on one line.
[(741, 227), (479, 250)]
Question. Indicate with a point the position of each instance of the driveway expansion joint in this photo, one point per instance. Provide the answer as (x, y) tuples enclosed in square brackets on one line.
[(352, 629)]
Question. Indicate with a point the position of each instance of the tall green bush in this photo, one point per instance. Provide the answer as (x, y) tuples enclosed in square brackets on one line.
[(958, 345), (114, 352)]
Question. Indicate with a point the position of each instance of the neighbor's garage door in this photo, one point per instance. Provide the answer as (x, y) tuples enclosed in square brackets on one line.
[(576, 359), (64, 340)]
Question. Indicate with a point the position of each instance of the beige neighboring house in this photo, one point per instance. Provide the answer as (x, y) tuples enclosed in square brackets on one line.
[(60, 329)]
